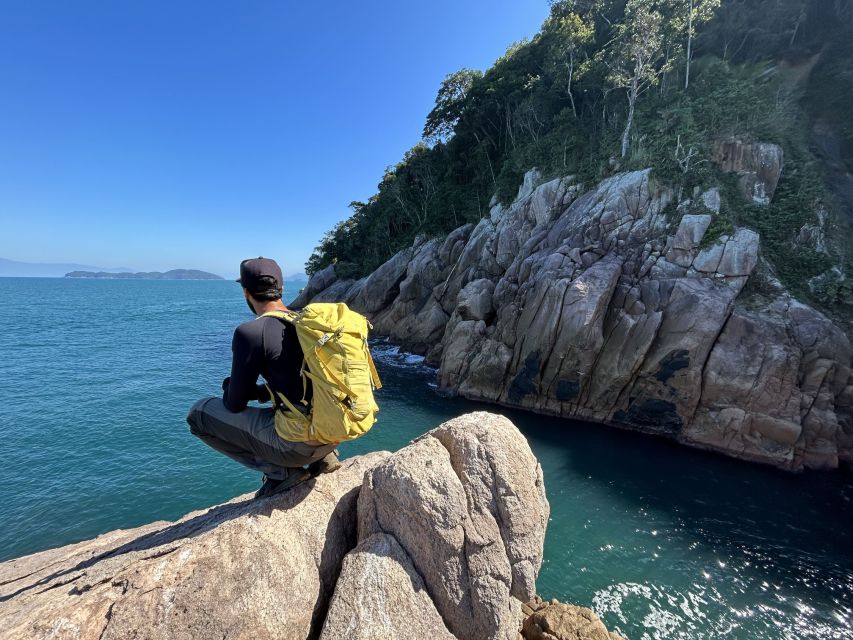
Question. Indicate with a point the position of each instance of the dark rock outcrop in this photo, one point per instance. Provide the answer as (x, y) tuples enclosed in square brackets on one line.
[(757, 164)]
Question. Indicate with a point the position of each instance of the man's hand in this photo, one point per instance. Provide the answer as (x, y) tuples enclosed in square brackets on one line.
[(261, 392)]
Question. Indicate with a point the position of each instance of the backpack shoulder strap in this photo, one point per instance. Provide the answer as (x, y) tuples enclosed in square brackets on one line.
[(285, 316), (290, 317)]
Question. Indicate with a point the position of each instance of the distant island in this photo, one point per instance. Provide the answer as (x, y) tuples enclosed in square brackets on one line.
[(174, 274), (18, 269)]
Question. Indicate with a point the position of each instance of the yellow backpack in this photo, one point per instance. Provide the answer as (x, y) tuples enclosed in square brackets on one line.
[(337, 361)]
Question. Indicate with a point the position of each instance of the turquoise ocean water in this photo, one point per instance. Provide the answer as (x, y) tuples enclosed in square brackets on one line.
[(96, 377)]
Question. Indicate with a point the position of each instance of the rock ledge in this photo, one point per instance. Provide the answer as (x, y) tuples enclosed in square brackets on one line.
[(440, 540)]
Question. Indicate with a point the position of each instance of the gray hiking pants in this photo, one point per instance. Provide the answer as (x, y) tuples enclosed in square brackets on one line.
[(249, 437)]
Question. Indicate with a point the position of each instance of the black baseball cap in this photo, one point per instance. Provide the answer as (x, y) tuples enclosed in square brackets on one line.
[(260, 275)]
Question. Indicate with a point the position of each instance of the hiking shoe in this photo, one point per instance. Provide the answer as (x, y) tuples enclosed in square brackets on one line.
[(269, 484), (295, 476), (326, 464), (272, 486)]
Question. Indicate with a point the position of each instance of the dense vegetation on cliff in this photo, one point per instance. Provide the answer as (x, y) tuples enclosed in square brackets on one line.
[(610, 85)]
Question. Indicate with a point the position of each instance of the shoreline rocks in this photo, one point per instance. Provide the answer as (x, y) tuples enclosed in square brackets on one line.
[(442, 539), (611, 304), (559, 621)]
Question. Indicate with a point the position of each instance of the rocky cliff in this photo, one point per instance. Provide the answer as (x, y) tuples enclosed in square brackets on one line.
[(442, 539), (615, 304)]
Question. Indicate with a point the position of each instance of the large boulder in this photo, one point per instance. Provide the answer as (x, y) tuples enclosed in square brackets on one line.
[(560, 331), (415, 317), (383, 285), (690, 231), (466, 504), (339, 291), (740, 254), (250, 569), (560, 621), (775, 389), (474, 301), (665, 390), (751, 400)]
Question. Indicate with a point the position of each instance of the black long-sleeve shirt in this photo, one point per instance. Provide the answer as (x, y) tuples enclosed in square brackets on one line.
[(265, 347)]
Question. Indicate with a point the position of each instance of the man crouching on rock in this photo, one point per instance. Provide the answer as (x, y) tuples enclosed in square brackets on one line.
[(266, 347)]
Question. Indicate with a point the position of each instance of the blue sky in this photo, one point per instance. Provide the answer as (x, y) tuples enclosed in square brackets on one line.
[(163, 134)]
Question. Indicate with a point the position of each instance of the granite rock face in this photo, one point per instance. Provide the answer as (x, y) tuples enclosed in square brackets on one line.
[(245, 569), (380, 595), (441, 540), (605, 304), (318, 283), (466, 503)]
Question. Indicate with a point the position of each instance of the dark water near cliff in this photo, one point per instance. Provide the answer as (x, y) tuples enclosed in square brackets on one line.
[(662, 541)]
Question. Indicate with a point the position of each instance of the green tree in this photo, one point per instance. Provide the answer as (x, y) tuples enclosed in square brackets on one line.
[(449, 104), (413, 184), (687, 19), (572, 32), (634, 57)]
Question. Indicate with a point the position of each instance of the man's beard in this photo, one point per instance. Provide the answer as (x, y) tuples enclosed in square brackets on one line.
[(251, 308)]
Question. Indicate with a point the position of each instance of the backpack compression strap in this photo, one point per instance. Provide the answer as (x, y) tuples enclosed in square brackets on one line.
[(374, 374), (306, 420), (290, 317)]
